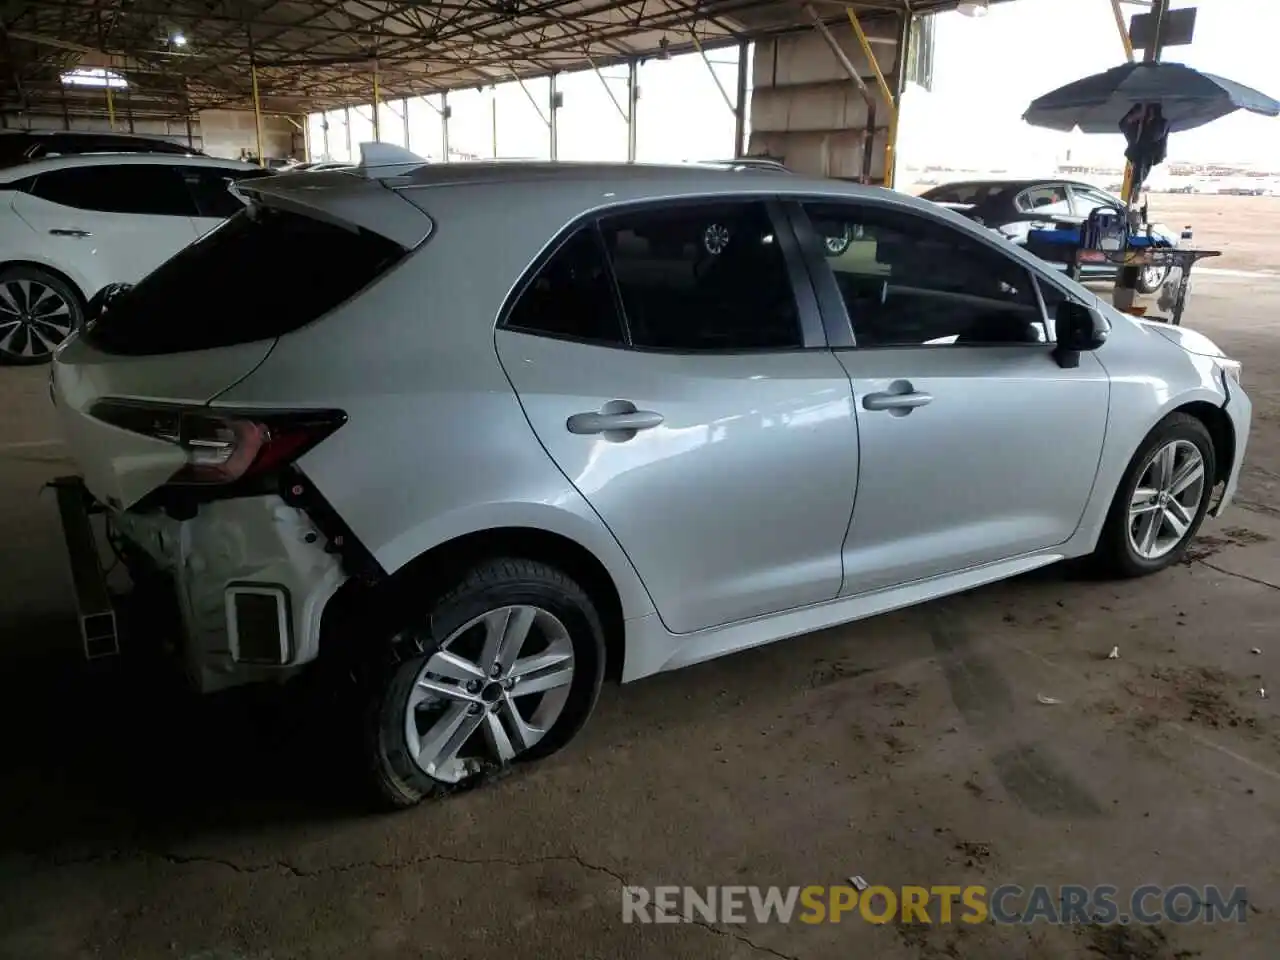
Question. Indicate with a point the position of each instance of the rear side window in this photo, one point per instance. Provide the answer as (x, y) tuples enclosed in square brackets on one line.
[(572, 295), (240, 283), (141, 188)]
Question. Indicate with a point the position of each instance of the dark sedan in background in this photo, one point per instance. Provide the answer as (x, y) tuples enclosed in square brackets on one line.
[(1016, 207)]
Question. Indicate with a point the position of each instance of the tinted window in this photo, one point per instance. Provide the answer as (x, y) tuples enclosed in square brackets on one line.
[(909, 280), (210, 188), (962, 192), (127, 188), (706, 277), (240, 282), (572, 295)]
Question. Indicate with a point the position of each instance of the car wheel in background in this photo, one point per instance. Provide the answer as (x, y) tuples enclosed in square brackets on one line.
[(1162, 500), (1151, 279), (505, 667), (37, 312)]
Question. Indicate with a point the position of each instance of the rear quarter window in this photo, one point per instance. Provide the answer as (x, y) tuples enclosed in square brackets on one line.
[(259, 275)]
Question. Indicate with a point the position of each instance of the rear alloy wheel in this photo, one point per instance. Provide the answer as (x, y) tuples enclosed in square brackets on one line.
[(510, 673), (1151, 279), (1161, 501), (37, 312)]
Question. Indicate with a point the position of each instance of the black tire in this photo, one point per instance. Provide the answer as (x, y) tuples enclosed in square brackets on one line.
[(18, 346), (1147, 286), (396, 777), (1114, 555)]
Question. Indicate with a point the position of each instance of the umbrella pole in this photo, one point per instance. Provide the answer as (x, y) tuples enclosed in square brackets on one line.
[(1126, 287)]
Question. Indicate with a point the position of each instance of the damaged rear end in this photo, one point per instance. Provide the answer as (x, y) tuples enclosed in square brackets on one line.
[(206, 503)]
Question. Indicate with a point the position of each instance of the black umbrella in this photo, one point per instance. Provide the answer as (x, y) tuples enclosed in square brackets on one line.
[(1187, 98)]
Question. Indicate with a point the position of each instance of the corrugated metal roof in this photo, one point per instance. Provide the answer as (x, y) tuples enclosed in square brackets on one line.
[(314, 55)]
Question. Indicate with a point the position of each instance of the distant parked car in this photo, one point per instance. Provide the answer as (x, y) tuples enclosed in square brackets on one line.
[(21, 146), (69, 226), (1016, 207)]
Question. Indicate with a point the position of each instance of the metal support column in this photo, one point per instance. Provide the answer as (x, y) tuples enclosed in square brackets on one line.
[(445, 113), (404, 105), (553, 103), (493, 114), (740, 112), (257, 102), (377, 128), (1127, 279), (891, 135), (346, 120), (633, 104), (111, 107), (1128, 53)]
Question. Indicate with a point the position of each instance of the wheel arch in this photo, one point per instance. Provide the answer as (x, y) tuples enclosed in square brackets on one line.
[(62, 275), (1221, 431), (431, 570)]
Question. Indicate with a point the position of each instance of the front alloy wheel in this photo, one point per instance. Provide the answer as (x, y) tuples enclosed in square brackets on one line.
[(1166, 500), (1161, 500), (503, 668)]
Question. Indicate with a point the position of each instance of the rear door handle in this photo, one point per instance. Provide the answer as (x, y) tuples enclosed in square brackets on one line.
[(59, 232), (896, 401), (616, 416)]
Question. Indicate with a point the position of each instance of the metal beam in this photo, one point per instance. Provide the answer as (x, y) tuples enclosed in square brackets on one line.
[(891, 135), (1124, 30), (841, 57), (605, 83), (728, 102), (532, 102)]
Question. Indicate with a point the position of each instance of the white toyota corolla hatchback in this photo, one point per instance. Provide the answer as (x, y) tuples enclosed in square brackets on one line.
[(489, 432)]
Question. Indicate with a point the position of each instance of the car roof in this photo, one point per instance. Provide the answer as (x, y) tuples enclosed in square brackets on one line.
[(549, 196), (1012, 183), (45, 164)]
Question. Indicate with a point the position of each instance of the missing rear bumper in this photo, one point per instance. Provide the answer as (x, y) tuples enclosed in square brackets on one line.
[(94, 610)]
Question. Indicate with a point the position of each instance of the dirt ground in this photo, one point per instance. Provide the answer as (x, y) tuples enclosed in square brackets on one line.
[(909, 749)]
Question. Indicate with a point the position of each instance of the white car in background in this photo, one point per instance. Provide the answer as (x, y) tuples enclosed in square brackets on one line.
[(71, 225)]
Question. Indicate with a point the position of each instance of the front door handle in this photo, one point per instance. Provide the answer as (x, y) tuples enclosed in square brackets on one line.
[(617, 417), (59, 232), (900, 396)]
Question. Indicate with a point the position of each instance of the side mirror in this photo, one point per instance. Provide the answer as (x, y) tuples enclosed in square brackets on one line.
[(1077, 328)]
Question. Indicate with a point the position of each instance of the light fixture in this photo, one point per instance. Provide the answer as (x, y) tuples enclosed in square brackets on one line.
[(94, 77), (974, 8), (179, 39)]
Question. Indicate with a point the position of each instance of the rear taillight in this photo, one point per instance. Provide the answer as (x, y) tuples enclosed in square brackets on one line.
[(222, 446)]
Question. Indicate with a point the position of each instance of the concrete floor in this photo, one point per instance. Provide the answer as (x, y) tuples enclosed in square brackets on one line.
[(909, 749)]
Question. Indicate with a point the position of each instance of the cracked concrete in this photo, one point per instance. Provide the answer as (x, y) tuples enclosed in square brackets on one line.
[(141, 825)]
